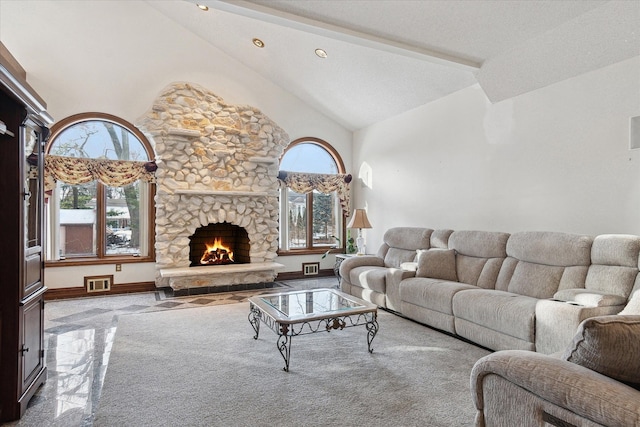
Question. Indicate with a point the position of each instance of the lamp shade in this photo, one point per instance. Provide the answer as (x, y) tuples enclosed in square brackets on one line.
[(359, 219)]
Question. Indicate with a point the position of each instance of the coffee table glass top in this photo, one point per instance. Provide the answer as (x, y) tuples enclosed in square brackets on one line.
[(313, 303)]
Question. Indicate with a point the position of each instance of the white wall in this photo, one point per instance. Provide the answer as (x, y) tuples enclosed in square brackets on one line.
[(554, 159)]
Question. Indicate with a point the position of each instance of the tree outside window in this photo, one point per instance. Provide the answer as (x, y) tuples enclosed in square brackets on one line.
[(314, 221), (94, 220)]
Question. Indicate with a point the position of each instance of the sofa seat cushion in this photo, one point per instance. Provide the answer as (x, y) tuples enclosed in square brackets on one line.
[(609, 345), (589, 298), (368, 277), (501, 311), (433, 294)]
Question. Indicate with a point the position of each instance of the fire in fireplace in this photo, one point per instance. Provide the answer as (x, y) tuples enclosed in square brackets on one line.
[(216, 253), (219, 244)]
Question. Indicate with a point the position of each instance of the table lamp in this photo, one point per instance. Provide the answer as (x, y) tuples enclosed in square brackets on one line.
[(359, 220)]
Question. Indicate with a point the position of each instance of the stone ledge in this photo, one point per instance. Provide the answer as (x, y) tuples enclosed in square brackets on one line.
[(219, 269), (220, 275), (224, 193)]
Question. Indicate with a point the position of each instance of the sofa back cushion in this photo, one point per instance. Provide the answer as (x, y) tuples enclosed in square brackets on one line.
[(400, 244), (539, 263), (633, 306), (479, 255), (609, 345), (440, 239), (614, 264)]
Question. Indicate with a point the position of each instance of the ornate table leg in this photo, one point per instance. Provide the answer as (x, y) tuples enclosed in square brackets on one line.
[(284, 345), (254, 319), (372, 330)]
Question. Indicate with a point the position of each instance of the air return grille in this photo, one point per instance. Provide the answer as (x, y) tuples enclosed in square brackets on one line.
[(310, 268), (98, 283)]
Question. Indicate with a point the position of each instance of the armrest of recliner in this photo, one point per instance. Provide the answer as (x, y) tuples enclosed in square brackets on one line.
[(393, 278), (580, 390), (359, 261)]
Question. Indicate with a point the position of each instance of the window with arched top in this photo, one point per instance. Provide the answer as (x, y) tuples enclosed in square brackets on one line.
[(311, 221), (98, 177)]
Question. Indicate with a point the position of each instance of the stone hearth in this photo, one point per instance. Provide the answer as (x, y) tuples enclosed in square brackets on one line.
[(216, 163)]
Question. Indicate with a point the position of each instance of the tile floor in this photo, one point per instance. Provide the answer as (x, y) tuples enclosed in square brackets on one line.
[(79, 334)]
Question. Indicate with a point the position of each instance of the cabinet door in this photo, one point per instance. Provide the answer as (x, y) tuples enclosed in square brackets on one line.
[(33, 198), (32, 337)]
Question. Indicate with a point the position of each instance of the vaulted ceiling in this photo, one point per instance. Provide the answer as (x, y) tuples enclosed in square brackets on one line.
[(384, 57)]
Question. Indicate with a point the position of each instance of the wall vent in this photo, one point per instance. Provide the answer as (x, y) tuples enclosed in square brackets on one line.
[(98, 283), (311, 268)]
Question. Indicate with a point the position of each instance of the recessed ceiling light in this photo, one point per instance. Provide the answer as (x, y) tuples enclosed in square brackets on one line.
[(258, 42), (321, 53), (203, 7)]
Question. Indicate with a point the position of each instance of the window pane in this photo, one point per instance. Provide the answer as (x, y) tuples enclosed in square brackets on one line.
[(123, 220), (309, 158), (98, 139), (78, 219), (296, 220), (325, 224)]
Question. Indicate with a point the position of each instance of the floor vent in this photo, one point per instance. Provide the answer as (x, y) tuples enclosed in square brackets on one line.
[(311, 268), (98, 283)]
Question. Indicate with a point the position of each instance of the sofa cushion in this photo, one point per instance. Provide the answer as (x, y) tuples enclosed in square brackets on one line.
[(434, 294), (609, 345), (396, 256), (616, 249), (535, 280), (437, 264), (480, 244), (440, 239), (589, 298), (410, 238), (550, 248), (500, 311), (611, 279), (633, 306), (368, 277)]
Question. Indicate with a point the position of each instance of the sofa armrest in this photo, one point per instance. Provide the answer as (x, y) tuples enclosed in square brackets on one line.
[(393, 278), (580, 390), (359, 261)]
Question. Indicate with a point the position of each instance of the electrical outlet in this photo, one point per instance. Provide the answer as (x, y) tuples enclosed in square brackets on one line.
[(118, 267)]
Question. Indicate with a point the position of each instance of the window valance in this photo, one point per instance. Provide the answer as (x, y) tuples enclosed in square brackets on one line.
[(78, 170), (303, 183)]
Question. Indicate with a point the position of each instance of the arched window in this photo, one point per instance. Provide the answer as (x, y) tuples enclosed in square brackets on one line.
[(99, 206), (314, 221)]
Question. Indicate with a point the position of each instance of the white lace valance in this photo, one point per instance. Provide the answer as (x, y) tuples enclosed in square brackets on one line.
[(304, 183), (78, 170)]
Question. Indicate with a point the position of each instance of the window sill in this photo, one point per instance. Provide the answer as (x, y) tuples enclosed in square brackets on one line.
[(69, 262)]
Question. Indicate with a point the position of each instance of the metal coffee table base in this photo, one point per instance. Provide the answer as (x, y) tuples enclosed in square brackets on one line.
[(286, 331)]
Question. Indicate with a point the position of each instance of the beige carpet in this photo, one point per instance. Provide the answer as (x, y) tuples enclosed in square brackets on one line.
[(202, 367)]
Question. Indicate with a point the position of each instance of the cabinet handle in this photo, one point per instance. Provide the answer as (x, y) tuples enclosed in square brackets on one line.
[(24, 349), (26, 194)]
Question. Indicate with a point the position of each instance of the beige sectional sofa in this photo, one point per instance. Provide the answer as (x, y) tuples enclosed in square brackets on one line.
[(527, 295), (521, 291)]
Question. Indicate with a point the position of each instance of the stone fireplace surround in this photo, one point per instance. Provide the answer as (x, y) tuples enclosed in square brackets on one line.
[(216, 163)]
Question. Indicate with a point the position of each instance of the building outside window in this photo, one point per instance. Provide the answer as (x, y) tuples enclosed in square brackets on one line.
[(314, 221), (88, 219)]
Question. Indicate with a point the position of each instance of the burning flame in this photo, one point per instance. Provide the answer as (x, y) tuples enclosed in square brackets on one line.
[(217, 253)]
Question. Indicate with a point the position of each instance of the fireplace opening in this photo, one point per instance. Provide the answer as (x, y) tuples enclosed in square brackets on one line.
[(219, 244)]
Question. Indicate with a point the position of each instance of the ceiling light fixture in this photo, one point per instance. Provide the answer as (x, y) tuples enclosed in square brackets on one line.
[(258, 43), (321, 53), (203, 7)]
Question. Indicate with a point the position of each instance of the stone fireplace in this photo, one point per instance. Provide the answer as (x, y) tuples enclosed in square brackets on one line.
[(217, 164)]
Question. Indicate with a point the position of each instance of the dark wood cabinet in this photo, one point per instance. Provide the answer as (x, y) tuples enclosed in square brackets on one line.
[(23, 131)]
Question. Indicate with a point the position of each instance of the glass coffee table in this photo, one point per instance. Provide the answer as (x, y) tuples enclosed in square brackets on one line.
[(294, 313)]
